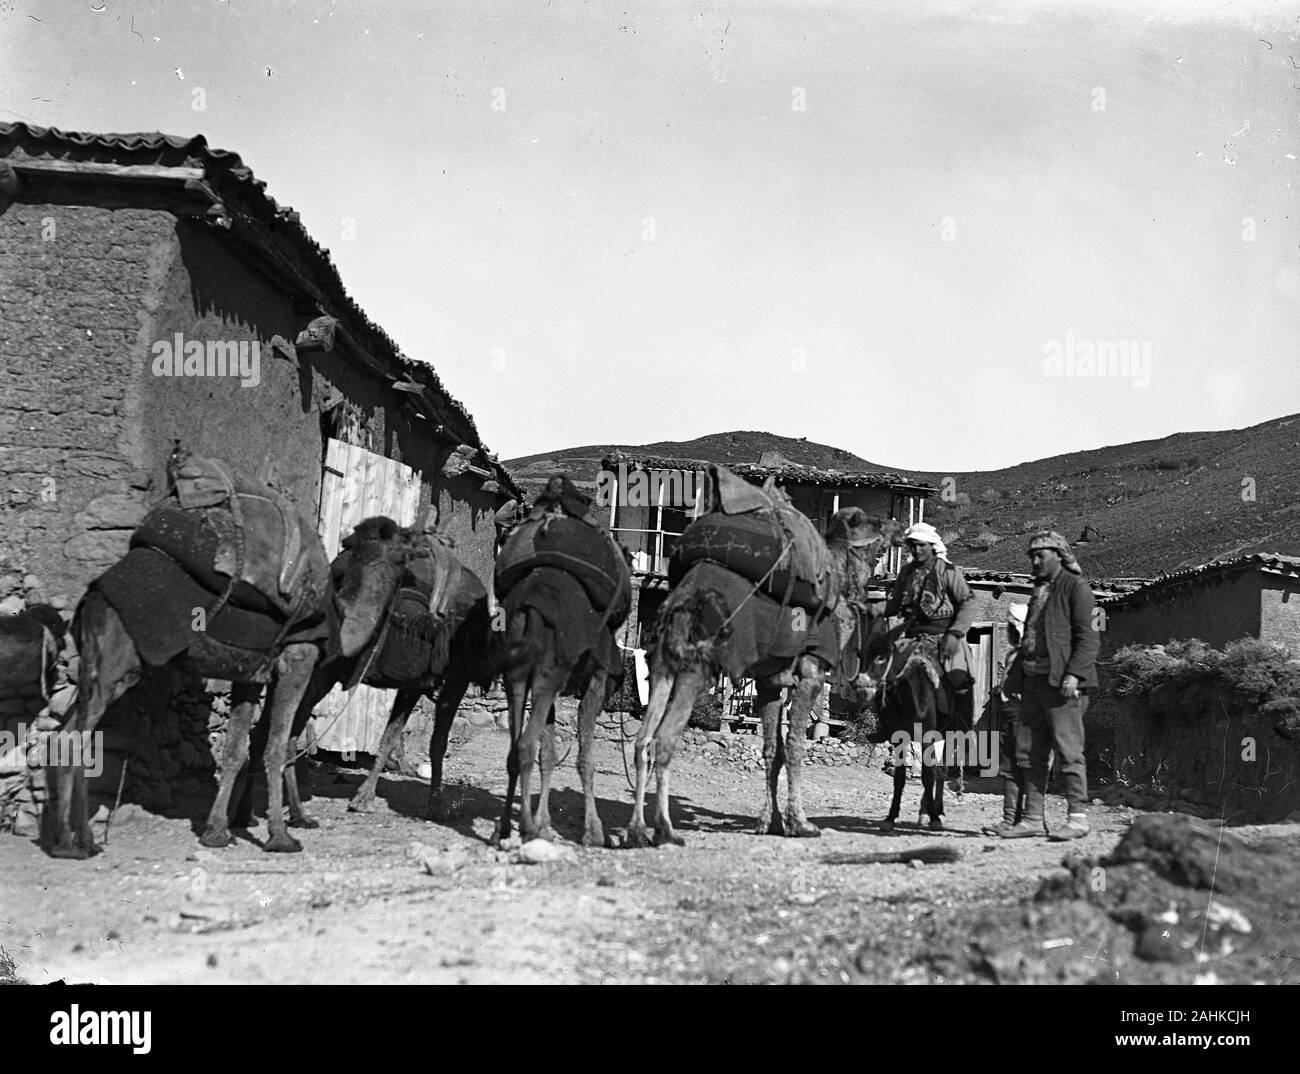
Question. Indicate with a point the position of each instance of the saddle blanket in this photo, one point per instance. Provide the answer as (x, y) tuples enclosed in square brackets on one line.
[(157, 601), (761, 639)]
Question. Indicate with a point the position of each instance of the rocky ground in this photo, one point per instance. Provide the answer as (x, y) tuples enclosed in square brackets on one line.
[(389, 897)]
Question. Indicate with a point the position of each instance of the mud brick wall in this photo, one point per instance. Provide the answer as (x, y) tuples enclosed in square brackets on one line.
[(75, 282), (1198, 759), (1217, 611)]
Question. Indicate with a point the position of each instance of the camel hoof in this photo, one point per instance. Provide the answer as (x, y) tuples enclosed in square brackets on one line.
[(936, 824), (595, 837), (305, 821), (546, 832), (67, 850), (216, 837), (282, 844), (636, 838), (886, 825), (803, 830), (362, 805), (666, 837)]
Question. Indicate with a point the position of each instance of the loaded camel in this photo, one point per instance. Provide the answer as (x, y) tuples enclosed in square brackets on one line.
[(434, 645), (227, 580), (714, 620), (554, 570)]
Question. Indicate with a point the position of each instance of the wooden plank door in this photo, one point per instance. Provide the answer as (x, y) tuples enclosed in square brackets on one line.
[(359, 484)]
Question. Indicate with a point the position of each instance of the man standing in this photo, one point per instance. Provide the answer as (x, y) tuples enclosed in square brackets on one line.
[(932, 596), (1058, 655)]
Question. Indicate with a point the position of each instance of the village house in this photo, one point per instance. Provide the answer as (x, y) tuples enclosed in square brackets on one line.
[(153, 293), (1255, 596)]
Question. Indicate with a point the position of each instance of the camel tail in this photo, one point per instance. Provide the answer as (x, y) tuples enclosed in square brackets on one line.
[(522, 643), (686, 632), (90, 626)]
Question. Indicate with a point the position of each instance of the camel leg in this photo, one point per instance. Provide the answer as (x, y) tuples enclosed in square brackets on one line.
[(444, 713), (804, 696), (109, 667), (689, 686), (243, 704), (538, 737), (294, 668), (767, 700), (593, 833), (661, 688), (516, 686), (403, 704)]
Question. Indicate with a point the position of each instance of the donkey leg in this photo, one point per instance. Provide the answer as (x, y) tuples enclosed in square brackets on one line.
[(294, 668), (768, 701), (243, 701), (444, 714), (661, 688), (593, 832), (900, 781), (364, 800), (689, 686), (809, 685)]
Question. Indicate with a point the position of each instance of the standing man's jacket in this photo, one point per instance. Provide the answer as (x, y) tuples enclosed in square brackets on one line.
[(1072, 639), (960, 606)]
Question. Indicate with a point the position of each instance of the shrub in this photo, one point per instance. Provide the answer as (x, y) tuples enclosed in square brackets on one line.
[(1189, 677), (707, 712)]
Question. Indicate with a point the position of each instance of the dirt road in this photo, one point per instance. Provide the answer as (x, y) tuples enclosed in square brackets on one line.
[(389, 897)]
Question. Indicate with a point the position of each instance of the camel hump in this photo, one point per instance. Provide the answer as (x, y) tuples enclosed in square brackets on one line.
[(220, 526)]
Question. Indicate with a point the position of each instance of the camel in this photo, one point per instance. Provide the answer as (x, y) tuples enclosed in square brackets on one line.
[(556, 641), (111, 664), (467, 660), (714, 621)]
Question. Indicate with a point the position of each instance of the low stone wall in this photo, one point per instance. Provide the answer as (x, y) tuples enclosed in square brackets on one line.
[(1215, 764)]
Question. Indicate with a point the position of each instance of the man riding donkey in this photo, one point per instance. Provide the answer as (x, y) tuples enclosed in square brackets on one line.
[(931, 595)]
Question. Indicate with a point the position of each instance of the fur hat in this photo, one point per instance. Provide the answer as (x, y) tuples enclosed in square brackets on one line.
[(1052, 540)]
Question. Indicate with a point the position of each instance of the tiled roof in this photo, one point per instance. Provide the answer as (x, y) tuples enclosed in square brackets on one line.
[(1261, 561), (227, 175), (790, 473), (1109, 586)]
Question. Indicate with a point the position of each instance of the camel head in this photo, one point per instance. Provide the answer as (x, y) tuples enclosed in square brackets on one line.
[(367, 574)]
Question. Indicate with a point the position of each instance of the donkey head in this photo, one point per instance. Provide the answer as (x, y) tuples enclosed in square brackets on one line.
[(373, 560)]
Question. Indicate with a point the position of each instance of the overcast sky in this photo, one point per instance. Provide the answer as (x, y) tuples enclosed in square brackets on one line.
[(866, 224)]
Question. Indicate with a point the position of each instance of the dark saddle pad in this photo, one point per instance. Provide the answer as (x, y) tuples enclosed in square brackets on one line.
[(157, 601)]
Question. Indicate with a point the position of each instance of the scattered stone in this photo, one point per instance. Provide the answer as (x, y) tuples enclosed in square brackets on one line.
[(542, 852), (13, 605), (1221, 915)]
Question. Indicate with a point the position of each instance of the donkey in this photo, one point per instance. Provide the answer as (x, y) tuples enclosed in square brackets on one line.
[(908, 685), (111, 664)]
